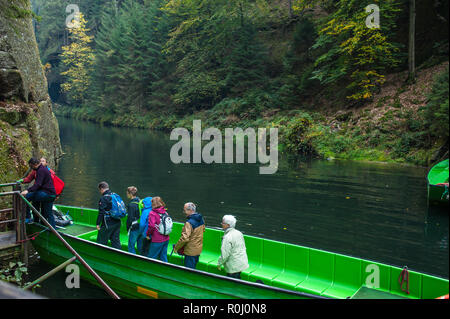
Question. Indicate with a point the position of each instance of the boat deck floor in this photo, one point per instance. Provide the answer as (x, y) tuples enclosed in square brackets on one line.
[(368, 293), (76, 229)]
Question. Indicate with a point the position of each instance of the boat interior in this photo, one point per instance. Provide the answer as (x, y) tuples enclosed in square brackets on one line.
[(285, 265)]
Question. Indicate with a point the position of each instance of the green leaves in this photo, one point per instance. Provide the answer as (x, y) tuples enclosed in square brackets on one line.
[(129, 57), (14, 273), (78, 57), (437, 109)]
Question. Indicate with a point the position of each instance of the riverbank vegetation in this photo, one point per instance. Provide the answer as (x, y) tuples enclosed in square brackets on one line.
[(333, 86)]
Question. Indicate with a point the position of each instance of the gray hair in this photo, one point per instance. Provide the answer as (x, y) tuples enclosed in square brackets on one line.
[(230, 220), (191, 206)]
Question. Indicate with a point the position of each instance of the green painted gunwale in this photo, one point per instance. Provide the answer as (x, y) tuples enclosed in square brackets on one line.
[(287, 270), (438, 174)]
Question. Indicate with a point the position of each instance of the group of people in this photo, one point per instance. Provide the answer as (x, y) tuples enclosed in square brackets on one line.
[(143, 219)]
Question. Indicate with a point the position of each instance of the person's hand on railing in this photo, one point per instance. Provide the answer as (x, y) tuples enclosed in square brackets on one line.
[(24, 193)]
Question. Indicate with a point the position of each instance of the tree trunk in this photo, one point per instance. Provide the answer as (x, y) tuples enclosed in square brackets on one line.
[(291, 13), (411, 47)]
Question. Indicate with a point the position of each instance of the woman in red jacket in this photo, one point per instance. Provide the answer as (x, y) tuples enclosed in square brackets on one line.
[(159, 242)]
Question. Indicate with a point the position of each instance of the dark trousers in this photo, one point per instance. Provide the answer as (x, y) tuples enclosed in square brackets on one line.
[(46, 202), (158, 251), (236, 275), (143, 245), (110, 231), (191, 261)]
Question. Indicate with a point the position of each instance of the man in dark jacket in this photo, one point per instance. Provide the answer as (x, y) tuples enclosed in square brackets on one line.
[(190, 243), (133, 220), (42, 191), (108, 227)]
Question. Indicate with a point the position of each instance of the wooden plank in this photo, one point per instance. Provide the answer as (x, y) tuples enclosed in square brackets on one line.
[(9, 291), (7, 239), (8, 221)]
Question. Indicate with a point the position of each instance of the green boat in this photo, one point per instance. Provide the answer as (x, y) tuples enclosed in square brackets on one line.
[(438, 183), (277, 270)]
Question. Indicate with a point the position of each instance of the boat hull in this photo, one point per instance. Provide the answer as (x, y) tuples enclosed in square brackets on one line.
[(438, 184), (285, 270), (437, 195), (134, 276)]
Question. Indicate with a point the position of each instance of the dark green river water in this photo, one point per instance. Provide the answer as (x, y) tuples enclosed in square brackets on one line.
[(369, 210)]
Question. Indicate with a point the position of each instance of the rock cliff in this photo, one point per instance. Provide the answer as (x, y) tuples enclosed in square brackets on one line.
[(28, 126)]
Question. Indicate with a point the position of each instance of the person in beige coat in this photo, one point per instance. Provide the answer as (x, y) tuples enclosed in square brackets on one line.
[(190, 243), (233, 252)]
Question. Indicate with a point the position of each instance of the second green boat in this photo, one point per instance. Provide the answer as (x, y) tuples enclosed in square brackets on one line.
[(438, 183)]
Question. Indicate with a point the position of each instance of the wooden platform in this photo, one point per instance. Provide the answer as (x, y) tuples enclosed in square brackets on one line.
[(7, 239), (9, 250)]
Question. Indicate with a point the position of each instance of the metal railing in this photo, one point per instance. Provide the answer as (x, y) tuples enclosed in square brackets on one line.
[(18, 200)]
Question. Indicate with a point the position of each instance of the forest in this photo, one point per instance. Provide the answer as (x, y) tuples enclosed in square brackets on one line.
[(335, 82)]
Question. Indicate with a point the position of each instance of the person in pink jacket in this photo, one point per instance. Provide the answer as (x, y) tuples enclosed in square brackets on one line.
[(159, 242)]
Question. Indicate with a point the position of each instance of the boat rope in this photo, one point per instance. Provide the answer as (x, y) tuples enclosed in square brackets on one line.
[(404, 277), (32, 236)]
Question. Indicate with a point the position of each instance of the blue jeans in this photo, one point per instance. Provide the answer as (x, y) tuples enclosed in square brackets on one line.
[(159, 251), (134, 238), (46, 201), (191, 261)]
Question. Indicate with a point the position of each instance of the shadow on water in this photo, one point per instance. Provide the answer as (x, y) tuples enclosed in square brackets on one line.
[(373, 211), (55, 286)]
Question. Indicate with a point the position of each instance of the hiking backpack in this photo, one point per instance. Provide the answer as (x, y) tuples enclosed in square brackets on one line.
[(165, 225), (118, 209), (58, 183)]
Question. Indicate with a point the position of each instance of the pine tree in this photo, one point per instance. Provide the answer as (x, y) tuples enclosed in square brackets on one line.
[(129, 61), (216, 50)]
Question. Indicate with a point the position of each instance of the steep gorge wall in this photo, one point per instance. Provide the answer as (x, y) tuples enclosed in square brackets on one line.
[(28, 126)]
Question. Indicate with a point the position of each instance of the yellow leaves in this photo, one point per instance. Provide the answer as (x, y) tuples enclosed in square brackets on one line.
[(78, 57)]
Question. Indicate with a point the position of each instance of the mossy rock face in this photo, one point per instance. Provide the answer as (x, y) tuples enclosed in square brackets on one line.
[(12, 118), (11, 84), (20, 51), (15, 150), (28, 126)]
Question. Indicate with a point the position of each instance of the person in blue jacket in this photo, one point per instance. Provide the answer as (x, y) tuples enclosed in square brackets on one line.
[(143, 244)]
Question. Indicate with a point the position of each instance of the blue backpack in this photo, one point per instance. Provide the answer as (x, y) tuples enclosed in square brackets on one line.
[(118, 209), (145, 206)]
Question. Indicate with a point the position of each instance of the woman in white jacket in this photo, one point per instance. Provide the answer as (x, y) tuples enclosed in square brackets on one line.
[(233, 252)]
